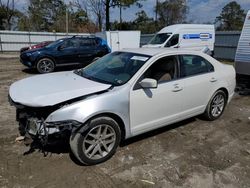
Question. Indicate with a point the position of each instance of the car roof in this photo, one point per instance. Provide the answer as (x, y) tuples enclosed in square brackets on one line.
[(159, 51), (84, 36)]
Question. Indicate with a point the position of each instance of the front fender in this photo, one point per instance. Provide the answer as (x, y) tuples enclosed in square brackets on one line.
[(115, 102)]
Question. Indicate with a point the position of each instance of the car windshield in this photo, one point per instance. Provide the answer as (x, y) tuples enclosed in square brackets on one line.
[(116, 68), (160, 38), (55, 43)]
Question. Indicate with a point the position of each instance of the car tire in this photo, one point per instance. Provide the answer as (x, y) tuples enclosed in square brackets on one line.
[(97, 141), (216, 106), (45, 65)]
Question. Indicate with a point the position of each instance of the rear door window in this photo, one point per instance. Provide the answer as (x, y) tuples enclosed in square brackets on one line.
[(71, 43), (191, 65)]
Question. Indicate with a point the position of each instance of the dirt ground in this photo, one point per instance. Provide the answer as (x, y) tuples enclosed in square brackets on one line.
[(193, 153)]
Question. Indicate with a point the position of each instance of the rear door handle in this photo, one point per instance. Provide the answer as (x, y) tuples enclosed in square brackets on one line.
[(177, 88), (213, 79)]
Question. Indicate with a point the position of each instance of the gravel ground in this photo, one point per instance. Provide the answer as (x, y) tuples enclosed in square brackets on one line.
[(193, 153)]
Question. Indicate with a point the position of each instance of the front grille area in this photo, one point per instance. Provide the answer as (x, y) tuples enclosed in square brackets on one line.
[(25, 112)]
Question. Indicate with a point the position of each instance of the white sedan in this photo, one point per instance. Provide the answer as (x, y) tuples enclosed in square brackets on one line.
[(123, 94)]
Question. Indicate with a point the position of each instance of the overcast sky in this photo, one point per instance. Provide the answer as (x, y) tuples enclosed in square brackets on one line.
[(200, 11)]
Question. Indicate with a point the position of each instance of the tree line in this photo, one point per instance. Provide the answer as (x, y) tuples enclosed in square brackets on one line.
[(94, 15)]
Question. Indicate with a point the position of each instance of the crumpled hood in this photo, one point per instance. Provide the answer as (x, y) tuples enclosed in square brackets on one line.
[(53, 88)]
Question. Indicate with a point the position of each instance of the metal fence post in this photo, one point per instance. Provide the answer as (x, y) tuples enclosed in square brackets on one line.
[(29, 39), (1, 45)]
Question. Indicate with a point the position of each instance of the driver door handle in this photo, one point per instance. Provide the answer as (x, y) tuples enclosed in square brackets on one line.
[(177, 88), (213, 79)]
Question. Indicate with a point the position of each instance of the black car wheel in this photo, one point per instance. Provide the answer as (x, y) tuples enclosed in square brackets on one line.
[(45, 65), (98, 142)]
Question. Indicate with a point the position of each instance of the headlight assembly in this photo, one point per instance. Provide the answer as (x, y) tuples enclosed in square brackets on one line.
[(62, 124)]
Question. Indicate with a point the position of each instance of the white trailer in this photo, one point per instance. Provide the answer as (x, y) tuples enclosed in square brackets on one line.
[(242, 57), (118, 40), (191, 36)]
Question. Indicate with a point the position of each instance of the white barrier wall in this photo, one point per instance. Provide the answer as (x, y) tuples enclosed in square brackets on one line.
[(15, 40)]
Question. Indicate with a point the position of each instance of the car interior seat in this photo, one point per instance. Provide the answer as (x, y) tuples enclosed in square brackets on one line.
[(165, 70)]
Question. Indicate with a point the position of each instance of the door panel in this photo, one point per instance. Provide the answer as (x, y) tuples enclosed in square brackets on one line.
[(199, 81), (197, 90), (156, 107), (67, 53), (87, 50), (87, 54), (152, 108)]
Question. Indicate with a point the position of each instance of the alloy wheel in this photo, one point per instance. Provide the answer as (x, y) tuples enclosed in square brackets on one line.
[(99, 141), (45, 66), (217, 105)]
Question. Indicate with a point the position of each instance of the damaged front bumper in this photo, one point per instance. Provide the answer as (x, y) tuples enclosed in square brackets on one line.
[(32, 122), (39, 127), (48, 132)]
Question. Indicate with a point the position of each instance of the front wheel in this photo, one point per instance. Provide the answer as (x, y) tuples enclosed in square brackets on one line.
[(45, 65), (98, 142), (216, 106)]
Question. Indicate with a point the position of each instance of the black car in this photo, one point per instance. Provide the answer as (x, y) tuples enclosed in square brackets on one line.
[(66, 51)]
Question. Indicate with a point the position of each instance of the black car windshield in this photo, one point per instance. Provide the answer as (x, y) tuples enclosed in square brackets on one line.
[(116, 68), (160, 38), (55, 43)]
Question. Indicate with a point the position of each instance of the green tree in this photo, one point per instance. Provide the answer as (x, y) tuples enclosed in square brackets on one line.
[(122, 26), (50, 15), (44, 14), (8, 13), (171, 12), (23, 23), (79, 21), (97, 9), (231, 17), (144, 23), (117, 3), (2, 17)]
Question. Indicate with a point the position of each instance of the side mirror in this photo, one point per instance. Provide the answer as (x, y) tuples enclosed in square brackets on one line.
[(148, 83)]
